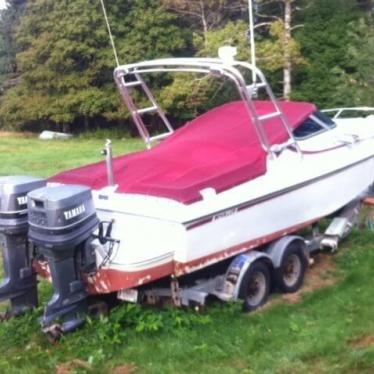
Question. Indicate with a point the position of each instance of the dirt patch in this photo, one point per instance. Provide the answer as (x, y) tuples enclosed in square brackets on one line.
[(124, 369), (367, 215), (364, 341), (317, 366), (71, 366), (321, 274)]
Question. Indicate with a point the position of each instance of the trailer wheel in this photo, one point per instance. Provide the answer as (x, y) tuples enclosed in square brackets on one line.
[(255, 286), (290, 275)]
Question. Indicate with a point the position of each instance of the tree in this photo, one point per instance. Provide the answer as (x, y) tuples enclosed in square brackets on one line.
[(278, 17), (190, 95), (66, 61), (9, 21), (361, 35), (207, 15), (366, 5), (3, 61), (325, 79)]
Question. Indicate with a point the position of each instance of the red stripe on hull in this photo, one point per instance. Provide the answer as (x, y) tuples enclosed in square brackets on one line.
[(181, 268), (110, 280)]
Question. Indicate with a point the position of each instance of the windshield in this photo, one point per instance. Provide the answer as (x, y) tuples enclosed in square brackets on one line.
[(315, 124)]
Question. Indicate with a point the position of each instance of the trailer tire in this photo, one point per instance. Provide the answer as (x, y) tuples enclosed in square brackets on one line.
[(255, 286), (289, 277)]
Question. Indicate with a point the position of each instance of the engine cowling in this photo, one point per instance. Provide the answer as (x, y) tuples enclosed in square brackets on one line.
[(62, 221), (20, 284)]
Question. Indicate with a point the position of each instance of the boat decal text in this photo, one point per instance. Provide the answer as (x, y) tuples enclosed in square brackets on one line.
[(22, 200), (70, 214), (224, 214)]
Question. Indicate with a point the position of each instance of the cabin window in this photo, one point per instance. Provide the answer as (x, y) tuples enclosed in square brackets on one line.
[(325, 119), (315, 124)]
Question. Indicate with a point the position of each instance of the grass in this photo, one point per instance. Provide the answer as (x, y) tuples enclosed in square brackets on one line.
[(330, 330), (27, 155)]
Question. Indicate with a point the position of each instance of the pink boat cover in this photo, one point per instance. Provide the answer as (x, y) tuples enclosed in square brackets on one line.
[(219, 149)]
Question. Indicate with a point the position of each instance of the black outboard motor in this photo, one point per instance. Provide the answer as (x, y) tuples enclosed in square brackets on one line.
[(20, 285), (62, 220)]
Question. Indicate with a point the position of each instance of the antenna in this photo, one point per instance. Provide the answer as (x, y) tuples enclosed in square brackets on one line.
[(252, 39), (110, 33)]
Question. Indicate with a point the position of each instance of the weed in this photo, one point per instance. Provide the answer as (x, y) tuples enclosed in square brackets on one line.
[(130, 319)]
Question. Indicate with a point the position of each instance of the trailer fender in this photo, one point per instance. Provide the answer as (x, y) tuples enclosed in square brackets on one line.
[(238, 268), (276, 250)]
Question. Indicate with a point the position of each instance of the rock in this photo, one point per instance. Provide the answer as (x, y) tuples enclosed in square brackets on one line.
[(50, 135)]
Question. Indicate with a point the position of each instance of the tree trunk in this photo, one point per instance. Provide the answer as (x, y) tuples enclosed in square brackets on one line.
[(366, 5), (205, 23), (86, 124), (287, 58), (65, 128)]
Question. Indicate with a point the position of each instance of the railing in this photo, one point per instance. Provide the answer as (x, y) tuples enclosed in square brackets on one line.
[(341, 111), (129, 76)]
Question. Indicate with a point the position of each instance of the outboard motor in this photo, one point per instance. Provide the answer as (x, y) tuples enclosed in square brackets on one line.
[(20, 285), (62, 220)]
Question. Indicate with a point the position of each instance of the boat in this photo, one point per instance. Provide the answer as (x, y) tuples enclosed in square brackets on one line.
[(242, 179)]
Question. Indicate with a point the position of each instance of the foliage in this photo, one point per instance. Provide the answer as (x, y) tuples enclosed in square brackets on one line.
[(234, 33), (207, 15), (270, 50), (129, 319), (66, 61), (188, 96), (10, 18), (56, 61), (361, 34), (3, 61), (324, 39)]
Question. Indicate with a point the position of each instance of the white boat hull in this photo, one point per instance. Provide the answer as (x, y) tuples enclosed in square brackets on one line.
[(258, 222), (165, 237)]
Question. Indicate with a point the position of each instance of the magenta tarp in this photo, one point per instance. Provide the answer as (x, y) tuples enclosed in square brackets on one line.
[(219, 149)]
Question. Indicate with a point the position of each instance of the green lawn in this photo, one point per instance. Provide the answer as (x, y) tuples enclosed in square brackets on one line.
[(330, 330), (26, 155)]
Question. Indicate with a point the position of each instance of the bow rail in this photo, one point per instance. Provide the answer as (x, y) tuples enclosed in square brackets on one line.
[(339, 112)]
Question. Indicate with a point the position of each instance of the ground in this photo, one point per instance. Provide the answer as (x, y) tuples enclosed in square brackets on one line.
[(328, 327)]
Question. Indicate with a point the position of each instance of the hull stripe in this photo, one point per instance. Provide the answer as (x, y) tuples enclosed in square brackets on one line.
[(111, 280), (207, 219)]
